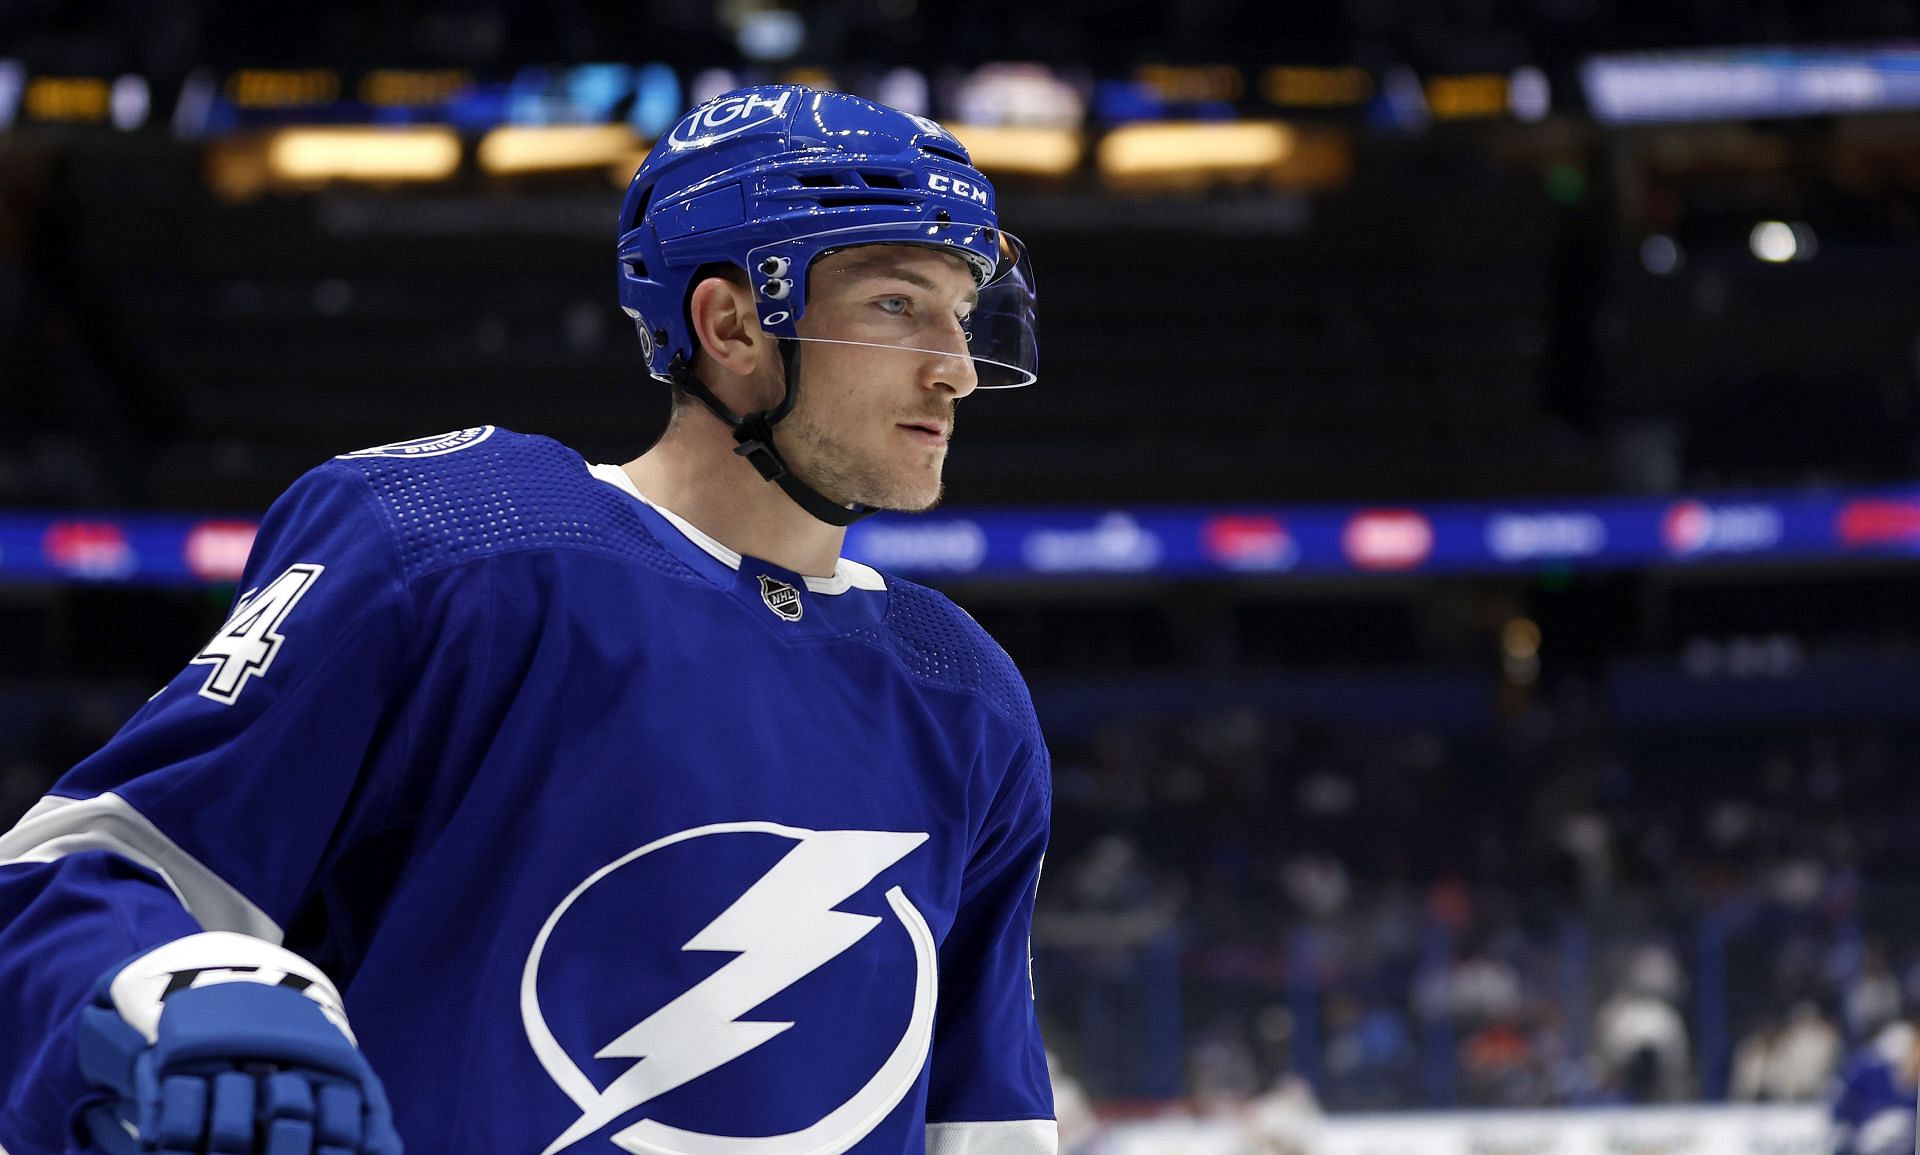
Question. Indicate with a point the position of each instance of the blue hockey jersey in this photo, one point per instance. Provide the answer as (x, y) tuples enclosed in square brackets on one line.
[(1874, 1097), (611, 838)]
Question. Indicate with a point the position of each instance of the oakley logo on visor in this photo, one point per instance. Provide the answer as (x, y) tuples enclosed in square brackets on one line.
[(727, 118)]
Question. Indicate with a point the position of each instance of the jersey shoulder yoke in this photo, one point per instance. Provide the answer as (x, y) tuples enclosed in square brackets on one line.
[(941, 645), (487, 491)]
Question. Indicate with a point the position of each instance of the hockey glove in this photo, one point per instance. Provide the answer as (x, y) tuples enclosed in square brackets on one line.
[(223, 1043)]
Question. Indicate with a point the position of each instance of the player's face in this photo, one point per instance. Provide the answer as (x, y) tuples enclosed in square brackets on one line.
[(873, 419)]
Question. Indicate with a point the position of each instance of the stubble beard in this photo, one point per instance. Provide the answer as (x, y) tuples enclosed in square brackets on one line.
[(839, 473)]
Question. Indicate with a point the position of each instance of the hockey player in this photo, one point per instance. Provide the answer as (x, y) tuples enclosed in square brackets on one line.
[(528, 806), (1875, 1095)]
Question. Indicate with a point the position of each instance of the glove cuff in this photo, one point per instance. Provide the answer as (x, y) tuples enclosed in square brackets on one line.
[(139, 989)]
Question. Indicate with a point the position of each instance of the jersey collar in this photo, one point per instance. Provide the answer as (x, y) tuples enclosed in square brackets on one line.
[(847, 575)]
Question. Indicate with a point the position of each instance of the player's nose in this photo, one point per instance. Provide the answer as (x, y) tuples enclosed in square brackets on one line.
[(950, 364)]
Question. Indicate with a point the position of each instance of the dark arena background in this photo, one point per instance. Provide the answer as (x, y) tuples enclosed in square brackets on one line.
[(1463, 542)]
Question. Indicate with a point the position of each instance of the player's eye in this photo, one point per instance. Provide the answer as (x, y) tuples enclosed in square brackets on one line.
[(894, 306)]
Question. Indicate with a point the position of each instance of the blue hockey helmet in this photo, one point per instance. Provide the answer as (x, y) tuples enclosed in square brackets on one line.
[(769, 178)]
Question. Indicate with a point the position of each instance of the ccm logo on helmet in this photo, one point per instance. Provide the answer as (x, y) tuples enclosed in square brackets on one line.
[(728, 116), (941, 182)]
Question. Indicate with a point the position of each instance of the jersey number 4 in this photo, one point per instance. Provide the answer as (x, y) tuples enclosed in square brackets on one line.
[(247, 643)]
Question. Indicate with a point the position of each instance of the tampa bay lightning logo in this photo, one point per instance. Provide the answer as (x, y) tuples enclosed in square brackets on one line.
[(435, 446), (784, 927)]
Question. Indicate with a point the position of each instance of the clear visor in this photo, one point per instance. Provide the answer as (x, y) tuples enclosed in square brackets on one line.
[(962, 292)]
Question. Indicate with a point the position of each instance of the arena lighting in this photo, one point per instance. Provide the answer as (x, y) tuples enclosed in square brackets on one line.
[(1758, 81), (76, 99), (1777, 242), (412, 88), (1772, 241), (549, 148), (283, 88), (1467, 97), (1660, 255), (13, 81), (1194, 150), (1292, 87), (1520, 651), (371, 154), (1193, 84), (1013, 93), (1529, 94), (769, 33), (129, 102), (1020, 148)]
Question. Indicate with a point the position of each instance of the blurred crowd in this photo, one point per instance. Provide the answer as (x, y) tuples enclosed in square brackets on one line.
[(1544, 914)]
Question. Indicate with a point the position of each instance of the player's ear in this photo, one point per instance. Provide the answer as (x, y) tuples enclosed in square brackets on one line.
[(726, 324)]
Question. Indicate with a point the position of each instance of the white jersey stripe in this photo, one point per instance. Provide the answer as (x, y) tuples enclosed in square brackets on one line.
[(57, 827), (1014, 1137)]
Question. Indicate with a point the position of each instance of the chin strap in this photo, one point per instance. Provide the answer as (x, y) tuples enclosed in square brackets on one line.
[(754, 432)]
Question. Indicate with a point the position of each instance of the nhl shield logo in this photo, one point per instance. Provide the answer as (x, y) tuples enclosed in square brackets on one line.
[(781, 598)]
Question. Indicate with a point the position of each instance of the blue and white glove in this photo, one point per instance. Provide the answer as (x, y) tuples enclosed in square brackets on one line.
[(224, 1043)]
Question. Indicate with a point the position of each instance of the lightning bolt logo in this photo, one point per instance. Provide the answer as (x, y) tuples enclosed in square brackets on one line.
[(783, 928)]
